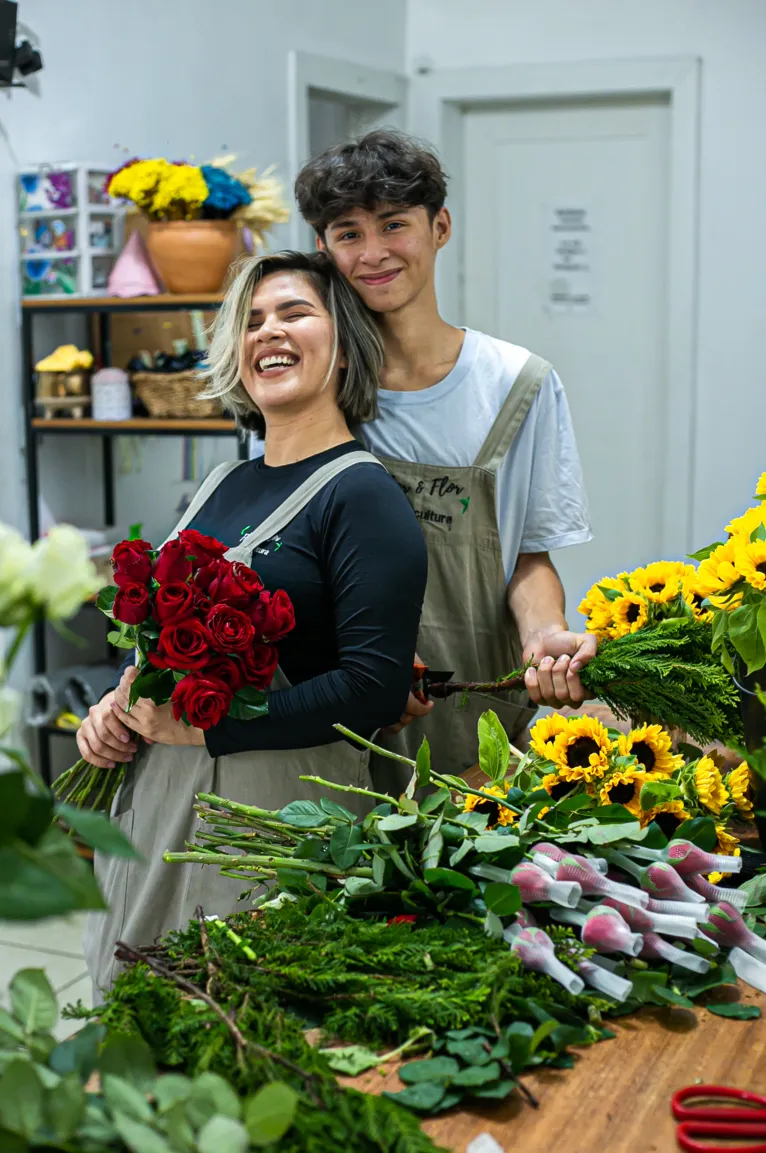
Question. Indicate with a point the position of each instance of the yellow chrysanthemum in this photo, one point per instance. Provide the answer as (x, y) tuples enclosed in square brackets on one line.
[(543, 733), (739, 785), (652, 747), (181, 191), (598, 608), (581, 751), (750, 562), (629, 614), (717, 574), (760, 488), (693, 595), (709, 785), (668, 816), (660, 581), (498, 814), (727, 845), (750, 520), (624, 788), (138, 182)]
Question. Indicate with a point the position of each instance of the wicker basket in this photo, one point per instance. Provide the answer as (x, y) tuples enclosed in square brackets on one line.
[(173, 394)]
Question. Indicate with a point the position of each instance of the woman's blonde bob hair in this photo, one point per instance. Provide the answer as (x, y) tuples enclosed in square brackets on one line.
[(355, 336)]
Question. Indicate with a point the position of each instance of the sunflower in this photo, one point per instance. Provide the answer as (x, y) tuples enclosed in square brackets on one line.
[(660, 581), (751, 519), (739, 786), (597, 607), (555, 786), (728, 845), (668, 816), (543, 733), (624, 788), (693, 596), (760, 488), (652, 747), (709, 785), (717, 575), (750, 562), (629, 614), (498, 814), (580, 752)]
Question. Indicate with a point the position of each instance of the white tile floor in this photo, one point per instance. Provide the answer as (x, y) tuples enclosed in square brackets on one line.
[(54, 945)]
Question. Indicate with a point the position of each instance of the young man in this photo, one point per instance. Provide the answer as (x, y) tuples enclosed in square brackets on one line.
[(478, 433)]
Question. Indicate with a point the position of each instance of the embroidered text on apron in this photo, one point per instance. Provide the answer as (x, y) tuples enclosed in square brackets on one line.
[(154, 805), (466, 625)]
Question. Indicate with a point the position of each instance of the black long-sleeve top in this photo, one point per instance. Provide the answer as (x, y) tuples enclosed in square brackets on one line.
[(354, 564)]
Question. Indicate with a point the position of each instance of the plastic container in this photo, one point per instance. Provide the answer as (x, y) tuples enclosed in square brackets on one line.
[(111, 395)]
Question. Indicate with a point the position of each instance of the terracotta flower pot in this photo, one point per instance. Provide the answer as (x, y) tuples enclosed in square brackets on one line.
[(192, 255)]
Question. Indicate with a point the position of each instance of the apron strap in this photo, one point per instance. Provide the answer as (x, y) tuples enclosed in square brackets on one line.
[(515, 407), (297, 501), (205, 490)]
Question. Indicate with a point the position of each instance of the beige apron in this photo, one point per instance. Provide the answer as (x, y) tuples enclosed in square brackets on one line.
[(466, 626), (154, 805)]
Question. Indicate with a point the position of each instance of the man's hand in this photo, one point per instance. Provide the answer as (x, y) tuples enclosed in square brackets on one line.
[(554, 680), (155, 723), (414, 710)]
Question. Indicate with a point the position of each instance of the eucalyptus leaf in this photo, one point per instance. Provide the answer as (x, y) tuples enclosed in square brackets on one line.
[(223, 1135), (303, 815), (33, 1000), (494, 747), (730, 1009), (269, 1114)]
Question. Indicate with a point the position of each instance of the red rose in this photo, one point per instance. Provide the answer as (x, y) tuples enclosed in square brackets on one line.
[(230, 630), (226, 669), (185, 647), (173, 602), (130, 562), (234, 584), (279, 618), (204, 700), (131, 605), (203, 549), (259, 664), (173, 564)]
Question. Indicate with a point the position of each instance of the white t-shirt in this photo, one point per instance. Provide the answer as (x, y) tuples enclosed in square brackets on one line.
[(541, 503)]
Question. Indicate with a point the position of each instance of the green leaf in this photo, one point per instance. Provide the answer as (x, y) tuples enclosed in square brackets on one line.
[(129, 1058), (700, 831), (496, 1092), (441, 1069), (351, 1059), (33, 1000), (502, 900), (97, 831), (494, 748), (21, 1098), (223, 1135), (477, 822), (139, 1137), (574, 803), (312, 849), (519, 1037), (470, 1051), (746, 637), (397, 821), (303, 815), (733, 1009), (79, 1054), (105, 599), (758, 533), (434, 800), (171, 1089), (423, 764), (461, 851), (540, 1034), (450, 879), (360, 887), (335, 810), (65, 1107), (219, 1093), (655, 793), (345, 846), (10, 1029), (269, 1114), (704, 553), (125, 1098), (249, 703), (477, 1075), (495, 843), (45, 880), (493, 926), (606, 834), (378, 869), (671, 997), (121, 638), (423, 1097)]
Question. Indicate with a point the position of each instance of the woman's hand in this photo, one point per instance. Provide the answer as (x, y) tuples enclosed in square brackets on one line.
[(102, 739), (155, 723)]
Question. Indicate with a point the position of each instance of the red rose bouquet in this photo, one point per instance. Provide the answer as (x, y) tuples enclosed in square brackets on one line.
[(205, 632)]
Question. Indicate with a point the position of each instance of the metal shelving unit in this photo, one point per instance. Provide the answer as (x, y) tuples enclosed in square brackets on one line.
[(101, 308)]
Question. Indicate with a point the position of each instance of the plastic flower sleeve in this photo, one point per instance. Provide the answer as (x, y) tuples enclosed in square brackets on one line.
[(535, 885), (748, 969), (524, 920), (556, 853), (683, 928), (661, 881), (657, 949), (715, 893), (726, 926), (603, 981), (535, 949), (688, 859), (679, 909), (570, 869), (606, 931)]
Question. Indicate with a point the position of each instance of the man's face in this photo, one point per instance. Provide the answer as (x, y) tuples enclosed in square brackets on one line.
[(388, 255)]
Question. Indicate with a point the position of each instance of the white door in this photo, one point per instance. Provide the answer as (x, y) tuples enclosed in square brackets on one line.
[(565, 252)]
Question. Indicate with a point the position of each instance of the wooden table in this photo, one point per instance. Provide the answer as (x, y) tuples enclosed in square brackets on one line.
[(617, 1097)]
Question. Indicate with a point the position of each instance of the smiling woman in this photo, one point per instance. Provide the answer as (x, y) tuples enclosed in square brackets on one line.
[(296, 356)]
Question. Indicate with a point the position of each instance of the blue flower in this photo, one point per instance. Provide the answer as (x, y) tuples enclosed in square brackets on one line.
[(226, 193)]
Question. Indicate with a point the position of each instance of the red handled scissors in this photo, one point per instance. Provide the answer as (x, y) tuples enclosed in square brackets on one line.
[(717, 1118)]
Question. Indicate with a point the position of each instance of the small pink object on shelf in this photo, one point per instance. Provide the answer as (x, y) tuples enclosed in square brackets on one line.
[(133, 274)]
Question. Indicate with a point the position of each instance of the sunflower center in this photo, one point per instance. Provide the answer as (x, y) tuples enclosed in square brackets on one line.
[(580, 752), (669, 822), (492, 809), (644, 754), (631, 615), (560, 790), (761, 568), (657, 588), (621, 794)]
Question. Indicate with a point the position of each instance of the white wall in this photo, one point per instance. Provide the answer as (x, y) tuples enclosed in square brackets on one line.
[(730, 39)]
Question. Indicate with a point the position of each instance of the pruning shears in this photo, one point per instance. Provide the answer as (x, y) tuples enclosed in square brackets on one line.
[(428, 683)]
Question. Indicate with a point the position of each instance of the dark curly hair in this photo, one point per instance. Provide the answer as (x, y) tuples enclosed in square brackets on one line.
[(383, 167)]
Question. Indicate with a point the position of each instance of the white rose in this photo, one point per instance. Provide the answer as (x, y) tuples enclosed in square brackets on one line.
[(61, 575), (15, 557)]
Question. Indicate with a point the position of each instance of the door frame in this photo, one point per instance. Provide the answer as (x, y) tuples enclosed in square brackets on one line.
[(437, 102), (354, 83)]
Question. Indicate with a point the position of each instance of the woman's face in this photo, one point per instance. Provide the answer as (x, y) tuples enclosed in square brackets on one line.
[(288, 347)]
